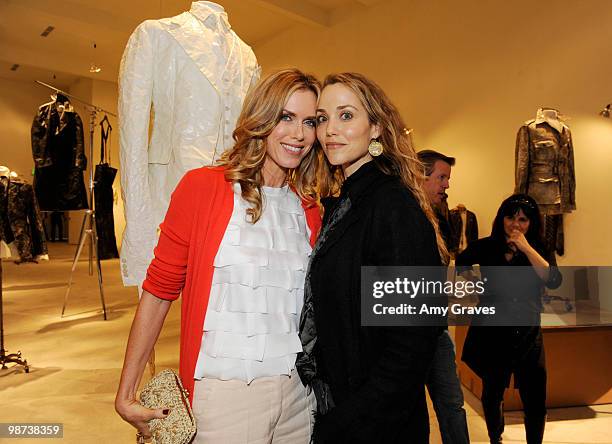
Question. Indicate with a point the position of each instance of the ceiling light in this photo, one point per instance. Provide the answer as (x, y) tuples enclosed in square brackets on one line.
[(47, 31), (93, 67), (606, 111)]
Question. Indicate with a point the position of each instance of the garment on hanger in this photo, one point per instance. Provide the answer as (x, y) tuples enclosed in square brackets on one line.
[(464, 226), (104, 177), (195, 103), (21, 224), (59, 157), (544, 159)]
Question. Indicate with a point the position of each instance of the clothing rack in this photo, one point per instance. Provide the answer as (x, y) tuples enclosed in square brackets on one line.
[(88, 227)]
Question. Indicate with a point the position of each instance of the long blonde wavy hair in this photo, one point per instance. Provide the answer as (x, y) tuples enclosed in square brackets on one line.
[(261, 112), (398, 157)]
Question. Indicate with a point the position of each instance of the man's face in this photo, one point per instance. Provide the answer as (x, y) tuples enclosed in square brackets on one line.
[(437, 182)]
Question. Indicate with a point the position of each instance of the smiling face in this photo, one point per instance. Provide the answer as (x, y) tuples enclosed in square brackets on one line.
[(437, 182), (292, 138), (343, 128), (519, 221)]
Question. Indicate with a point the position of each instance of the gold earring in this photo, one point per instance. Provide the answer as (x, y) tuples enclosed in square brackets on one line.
[(375, 148)]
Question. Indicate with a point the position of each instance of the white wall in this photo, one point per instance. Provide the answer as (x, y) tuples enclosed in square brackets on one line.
[(19, 102), (466, 75)]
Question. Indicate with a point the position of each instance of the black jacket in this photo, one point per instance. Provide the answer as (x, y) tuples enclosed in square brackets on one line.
[(497, 351), (376, 375), (59, 159)]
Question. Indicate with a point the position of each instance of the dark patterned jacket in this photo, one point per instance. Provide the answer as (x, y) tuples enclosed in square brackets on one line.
[(545, 167), (20, 219), (456, 223)]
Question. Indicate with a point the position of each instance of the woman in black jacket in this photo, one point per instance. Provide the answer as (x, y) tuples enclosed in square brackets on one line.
[(369, 381), (497, 352)]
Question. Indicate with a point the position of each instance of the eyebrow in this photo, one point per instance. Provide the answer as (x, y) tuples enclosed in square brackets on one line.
[(339, 108), (292, 114)]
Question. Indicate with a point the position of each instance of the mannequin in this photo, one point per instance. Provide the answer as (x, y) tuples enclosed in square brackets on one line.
[(550, 116), (545, 171), (193, 72)]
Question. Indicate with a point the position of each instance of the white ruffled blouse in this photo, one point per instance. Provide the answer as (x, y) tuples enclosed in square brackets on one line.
[(251, 323)]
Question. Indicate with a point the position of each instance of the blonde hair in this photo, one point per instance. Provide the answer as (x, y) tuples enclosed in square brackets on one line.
[(398, 157), (261, 112)]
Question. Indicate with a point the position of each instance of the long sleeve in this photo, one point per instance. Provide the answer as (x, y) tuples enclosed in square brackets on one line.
[(80, 160), (39, 243), (135, 94), (521, 157), (472, 234), (571, 174), (168, 269), (40, 137)]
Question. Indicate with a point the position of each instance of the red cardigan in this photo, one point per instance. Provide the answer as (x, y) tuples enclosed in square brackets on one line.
[(198, 215)]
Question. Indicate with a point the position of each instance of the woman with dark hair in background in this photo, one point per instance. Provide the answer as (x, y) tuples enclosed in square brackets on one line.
[(497, 352), (369, 381)]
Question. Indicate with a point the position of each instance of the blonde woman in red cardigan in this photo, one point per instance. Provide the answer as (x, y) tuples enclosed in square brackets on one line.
[(235, 244)]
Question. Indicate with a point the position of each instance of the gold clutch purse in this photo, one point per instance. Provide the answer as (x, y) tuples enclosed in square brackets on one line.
[(166, 391)]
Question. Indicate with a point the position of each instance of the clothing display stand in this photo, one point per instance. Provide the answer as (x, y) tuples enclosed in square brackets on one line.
[(88, 227), (5, 356)]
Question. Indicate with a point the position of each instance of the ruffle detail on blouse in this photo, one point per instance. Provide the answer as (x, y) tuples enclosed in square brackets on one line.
[(254, 276), (250, 324), (277, 239), (240, 298), (227, 369), (224, 344), (257, 292)]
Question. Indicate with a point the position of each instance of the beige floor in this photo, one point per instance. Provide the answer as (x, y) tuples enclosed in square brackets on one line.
[(75, 361)]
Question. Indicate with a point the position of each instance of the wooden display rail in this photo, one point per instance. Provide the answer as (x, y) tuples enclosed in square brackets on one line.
[(578, 362)]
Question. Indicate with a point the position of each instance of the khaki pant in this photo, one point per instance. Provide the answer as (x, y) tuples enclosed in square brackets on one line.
[(273, 409)]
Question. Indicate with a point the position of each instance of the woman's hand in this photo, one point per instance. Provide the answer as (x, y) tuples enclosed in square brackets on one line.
[(138, 415), (146, 326), (539, 264), (518, 239)]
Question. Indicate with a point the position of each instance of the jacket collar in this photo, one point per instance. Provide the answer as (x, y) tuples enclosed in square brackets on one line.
[(361, 181), (202, 10), (199, 31), (551, 118)]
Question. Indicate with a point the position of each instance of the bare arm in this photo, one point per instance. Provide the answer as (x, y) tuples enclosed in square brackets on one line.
[(145, 330)]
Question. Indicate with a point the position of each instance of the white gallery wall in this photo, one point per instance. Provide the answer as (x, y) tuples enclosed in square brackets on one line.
[(466, 75)]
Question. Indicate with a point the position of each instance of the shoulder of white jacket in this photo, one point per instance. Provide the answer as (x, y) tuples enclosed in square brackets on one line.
[(163, 23)]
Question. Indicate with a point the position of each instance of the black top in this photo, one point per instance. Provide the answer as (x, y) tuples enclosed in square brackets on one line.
[(497, 351), (376, 375)]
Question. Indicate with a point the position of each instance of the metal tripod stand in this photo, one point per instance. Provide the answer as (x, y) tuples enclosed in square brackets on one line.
[(88, 228)]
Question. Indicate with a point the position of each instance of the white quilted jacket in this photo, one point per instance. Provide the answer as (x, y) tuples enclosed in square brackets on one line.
[(182, 82)]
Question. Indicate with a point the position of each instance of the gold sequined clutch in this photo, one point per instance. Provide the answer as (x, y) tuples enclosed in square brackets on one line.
[(166, 391)]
